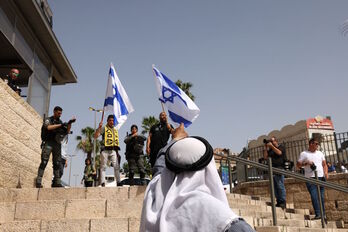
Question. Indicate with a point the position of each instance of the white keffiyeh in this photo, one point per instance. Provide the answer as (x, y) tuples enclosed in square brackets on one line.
[(188, 201)]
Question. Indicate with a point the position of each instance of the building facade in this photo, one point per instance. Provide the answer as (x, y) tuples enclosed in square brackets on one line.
[(28, 43)]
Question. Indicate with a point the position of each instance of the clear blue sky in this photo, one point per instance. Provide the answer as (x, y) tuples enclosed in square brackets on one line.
[(256, 66)]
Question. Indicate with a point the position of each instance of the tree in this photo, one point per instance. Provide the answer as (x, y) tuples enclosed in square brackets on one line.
[(125, 168), (147, 123), (86, 141), (186, 86)]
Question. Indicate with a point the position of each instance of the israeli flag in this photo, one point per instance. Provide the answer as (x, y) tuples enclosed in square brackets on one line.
[(116, 99), (181, 108)]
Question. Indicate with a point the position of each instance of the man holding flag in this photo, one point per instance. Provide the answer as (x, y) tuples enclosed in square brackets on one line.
[(116, 101), (109, 148), (158, 137), (181, 109)]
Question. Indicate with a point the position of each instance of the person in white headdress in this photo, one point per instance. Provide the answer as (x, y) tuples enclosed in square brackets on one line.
[(186, 193)]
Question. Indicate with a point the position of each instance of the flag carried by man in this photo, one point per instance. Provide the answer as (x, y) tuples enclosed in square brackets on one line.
[(116, 99), (180, 107)]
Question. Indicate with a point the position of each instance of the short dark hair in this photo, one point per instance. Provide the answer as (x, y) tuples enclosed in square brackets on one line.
[(312, 140), (110, 116), (136, 127), (57, 108)]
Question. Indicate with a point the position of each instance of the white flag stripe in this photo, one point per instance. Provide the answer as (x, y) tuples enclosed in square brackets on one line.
[(181, 108), (116, 99)]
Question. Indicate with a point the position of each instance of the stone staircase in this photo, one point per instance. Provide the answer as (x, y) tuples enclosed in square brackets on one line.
[(119, 209)]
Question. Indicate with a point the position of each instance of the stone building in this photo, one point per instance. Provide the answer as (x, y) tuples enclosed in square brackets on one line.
[(27, 43), (295, 138)]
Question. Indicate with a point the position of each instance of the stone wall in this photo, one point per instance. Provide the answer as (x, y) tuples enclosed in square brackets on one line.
[(20, 128), (336, 203)]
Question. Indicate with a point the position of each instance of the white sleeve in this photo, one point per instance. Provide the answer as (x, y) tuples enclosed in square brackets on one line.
[(64, 151), (302, 157)]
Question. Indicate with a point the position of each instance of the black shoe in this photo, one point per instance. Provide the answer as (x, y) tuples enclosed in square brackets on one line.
[(119, 184), (316, 218), (103, 184), (282, 205), (55, 185), (38, 185)]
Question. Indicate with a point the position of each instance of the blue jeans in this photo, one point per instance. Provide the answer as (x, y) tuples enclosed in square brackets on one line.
[(240, 226), (312, 189), (279, 189)]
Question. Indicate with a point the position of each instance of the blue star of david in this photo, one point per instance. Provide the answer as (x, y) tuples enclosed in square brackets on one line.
[(171, 96)]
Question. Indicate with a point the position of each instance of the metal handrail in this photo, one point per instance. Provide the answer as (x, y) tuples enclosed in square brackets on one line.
[(289, 174), (297, 176)]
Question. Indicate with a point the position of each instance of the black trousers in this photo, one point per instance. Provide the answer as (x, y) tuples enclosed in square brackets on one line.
[(133, 164), (48, 148)]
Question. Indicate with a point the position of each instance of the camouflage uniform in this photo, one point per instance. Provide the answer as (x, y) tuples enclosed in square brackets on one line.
[(50, 145), (134, 155)]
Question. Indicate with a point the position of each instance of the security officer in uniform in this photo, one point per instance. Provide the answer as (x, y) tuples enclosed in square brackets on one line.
[(109, 149), (52, 133), (135, 154), (12, 80)]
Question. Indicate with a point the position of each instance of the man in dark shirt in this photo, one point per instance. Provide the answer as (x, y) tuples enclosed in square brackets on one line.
[(11, 80), (158, 137), (277, 153)]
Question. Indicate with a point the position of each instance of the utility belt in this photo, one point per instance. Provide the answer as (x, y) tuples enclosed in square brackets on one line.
[(111, 148), (50, 142)]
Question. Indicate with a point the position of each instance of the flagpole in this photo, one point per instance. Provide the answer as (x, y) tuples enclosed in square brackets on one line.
[(154, 74), (102, 117)]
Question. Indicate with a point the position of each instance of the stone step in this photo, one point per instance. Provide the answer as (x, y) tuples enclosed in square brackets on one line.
[(263, 208), (131, 225), (32, 194), (57, 208), (296, 229), (267, 214), (297, 223), (76, 225), (256, 222), (70, 209)]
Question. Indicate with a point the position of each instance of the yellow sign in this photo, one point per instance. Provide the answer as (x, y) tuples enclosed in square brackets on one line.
[(111, 137)]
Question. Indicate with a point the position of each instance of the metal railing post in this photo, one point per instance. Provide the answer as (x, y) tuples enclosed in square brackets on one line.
[(270, 173), (336, 146), (229, 172), (320, 201), (220, 169)]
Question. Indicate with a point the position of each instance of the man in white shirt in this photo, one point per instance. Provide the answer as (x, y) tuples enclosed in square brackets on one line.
[(313, 160)]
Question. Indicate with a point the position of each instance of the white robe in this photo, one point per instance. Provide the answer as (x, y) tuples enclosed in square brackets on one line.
[(188, 201)]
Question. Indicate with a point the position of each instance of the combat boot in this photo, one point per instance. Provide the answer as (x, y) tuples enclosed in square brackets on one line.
[(57, 185), (38, 182)]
